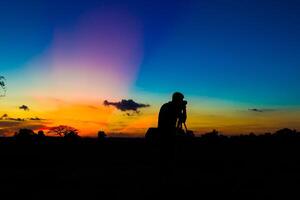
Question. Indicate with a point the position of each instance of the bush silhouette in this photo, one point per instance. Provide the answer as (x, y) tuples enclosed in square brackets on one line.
[(213, 134), (41, 134), (101, 135), (286, 132), (25, 135), (72, 135)]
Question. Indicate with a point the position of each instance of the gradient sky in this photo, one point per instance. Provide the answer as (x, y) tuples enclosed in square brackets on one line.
[(63, 58)]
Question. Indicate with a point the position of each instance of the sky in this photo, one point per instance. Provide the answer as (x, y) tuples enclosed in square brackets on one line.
[(236, 62)]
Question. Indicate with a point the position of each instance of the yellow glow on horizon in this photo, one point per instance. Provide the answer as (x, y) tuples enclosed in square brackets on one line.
[(91, 116)]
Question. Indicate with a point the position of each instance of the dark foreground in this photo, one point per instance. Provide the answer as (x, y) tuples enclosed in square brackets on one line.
[(240, 168)]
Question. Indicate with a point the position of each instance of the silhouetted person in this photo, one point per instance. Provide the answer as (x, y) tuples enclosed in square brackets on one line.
[(172, 114), (170, 119)]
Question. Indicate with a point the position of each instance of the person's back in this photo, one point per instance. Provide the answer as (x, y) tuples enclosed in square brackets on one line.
[(172, 112), (168, 115)]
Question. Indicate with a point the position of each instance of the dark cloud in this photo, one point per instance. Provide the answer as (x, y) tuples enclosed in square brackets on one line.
[(35, 119), (24, 107), (15, 119), (9, 127), (126, 105), (8, 123), (260, 110), (131, 114), (255, 110), (4, 116)]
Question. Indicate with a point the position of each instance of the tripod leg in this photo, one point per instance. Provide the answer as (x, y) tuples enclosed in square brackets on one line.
[(186, 130)]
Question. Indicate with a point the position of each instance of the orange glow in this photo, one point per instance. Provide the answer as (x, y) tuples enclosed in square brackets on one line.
[(90, 116)]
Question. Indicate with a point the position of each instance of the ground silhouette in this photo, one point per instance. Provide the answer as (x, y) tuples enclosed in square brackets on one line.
[(170, 162), (205, 167)]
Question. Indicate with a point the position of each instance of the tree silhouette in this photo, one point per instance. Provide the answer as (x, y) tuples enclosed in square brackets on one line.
[(63, 130)]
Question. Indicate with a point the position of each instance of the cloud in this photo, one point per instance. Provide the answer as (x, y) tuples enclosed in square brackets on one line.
[(15, 119), (35, 119), (4, 116), (8, 123), (9, 127), (24, 107), (126, 105), (260, 110)]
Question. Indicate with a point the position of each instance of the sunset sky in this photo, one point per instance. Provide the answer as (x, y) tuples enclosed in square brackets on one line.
[(237, 63)]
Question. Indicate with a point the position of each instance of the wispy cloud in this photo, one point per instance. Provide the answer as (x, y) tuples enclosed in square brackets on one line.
[(261, 110), (5, 117), (35, 119), (8, 127)]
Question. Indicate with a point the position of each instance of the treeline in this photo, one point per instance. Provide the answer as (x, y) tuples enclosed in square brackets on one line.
[(68, 132), (281, 133)]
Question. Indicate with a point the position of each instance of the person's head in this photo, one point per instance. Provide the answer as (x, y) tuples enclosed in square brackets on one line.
[(177, 98)]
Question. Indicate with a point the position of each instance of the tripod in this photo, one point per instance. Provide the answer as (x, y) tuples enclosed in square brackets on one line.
[(179, 125), (182, 120)]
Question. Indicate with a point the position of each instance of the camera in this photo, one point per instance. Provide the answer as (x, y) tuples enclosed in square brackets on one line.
[(183, 104)]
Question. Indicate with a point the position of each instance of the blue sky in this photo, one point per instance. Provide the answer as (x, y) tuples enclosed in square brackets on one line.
[(244, 52), (239, 50)]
